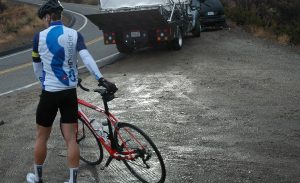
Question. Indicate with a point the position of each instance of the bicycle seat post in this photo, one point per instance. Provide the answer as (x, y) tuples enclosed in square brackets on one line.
[(105, 105), (110, 129)]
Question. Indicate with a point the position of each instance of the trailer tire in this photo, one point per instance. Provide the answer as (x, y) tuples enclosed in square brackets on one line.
[(177, 42), (197, 31), (123, 48)]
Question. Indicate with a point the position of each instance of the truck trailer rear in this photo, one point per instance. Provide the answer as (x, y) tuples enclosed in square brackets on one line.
[(147, 23)]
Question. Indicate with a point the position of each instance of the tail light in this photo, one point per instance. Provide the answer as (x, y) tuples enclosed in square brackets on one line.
[(163, 34), (109, 38)]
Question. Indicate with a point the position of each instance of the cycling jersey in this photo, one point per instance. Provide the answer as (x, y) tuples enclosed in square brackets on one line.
[(55, 57)]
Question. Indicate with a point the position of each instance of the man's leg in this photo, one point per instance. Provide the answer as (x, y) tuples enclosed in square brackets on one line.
[(40, 149), (68, 130), (45, 115), (69, 111), (40, 153)]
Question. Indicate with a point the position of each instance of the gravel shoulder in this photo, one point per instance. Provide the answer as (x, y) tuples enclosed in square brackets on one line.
[(223, 109)]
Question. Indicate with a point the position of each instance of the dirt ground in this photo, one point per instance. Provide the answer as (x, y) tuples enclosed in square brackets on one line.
[(223, 109)]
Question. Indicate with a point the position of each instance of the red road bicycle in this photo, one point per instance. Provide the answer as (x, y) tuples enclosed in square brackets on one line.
[(123, 141)]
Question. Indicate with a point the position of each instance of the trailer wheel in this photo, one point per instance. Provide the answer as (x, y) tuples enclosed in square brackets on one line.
[(123, 48), (197, 31), (177, 43)]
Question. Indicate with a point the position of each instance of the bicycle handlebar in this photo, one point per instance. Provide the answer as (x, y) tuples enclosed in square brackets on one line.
[(106, 95), (82, 87)]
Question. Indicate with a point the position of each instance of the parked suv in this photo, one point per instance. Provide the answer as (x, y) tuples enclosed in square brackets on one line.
[(212, 14)]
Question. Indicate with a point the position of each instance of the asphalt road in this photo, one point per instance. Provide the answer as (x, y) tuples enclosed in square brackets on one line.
[(16, 69), (225, 108)]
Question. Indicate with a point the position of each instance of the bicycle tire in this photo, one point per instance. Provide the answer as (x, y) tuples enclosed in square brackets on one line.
[(91, 150), (156, 172)]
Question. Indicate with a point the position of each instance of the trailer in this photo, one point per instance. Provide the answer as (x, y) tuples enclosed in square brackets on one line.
[(136, 24)]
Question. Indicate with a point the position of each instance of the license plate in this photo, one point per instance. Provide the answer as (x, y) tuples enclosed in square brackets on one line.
[(210, 13), (135, 34)]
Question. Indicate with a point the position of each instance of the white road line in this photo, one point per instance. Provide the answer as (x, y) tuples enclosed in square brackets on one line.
[(35, 83), (22, 88), (85, 19), (24, 51), (27, 64), (14, 54)]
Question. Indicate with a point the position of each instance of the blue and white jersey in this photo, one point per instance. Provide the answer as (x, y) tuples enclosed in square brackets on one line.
[(55, 57)]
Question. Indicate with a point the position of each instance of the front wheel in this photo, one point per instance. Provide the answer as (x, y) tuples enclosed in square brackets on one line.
[(91, 150), (197, 30), (147, 164)]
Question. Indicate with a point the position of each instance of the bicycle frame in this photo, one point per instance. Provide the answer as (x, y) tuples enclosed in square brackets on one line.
[(126, 142), (112, 122)]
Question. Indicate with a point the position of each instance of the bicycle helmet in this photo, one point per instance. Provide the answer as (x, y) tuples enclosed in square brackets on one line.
[(50, 6)]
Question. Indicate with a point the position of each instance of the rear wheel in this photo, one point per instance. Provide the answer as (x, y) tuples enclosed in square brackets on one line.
[(177, 42), (147, 164), (91, 151), (122, 46)]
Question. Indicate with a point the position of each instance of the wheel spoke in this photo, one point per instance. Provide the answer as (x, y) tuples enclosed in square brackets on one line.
[(91, 150), (147, 164)]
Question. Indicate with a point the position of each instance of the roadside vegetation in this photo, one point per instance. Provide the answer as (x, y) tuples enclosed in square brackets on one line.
[(18, 22), (278, 19)]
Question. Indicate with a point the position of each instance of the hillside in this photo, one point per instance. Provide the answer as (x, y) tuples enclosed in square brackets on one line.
[(279, 19), (18, 23)]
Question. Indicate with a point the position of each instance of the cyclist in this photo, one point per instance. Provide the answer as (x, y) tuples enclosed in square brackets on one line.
[(55, 65)]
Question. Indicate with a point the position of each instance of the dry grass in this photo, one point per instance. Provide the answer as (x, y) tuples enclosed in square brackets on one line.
[(263, 33), (18, 23), (284, 39), (7, 38), (278, 16)]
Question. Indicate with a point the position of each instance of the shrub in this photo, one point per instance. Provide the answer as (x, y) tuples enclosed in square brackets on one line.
[(18, 23), (279, 16), (2, 6)]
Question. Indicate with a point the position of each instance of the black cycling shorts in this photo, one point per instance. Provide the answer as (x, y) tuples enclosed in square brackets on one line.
[(50, 102)]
